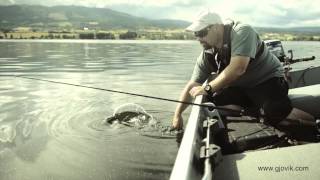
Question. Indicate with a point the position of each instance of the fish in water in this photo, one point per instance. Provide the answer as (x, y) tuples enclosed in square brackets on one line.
[(133, 115), (130, 118)]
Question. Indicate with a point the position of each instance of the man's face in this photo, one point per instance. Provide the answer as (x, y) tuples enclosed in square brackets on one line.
[(206, 37)]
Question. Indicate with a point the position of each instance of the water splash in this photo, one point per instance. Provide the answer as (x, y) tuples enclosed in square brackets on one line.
[(7, 133), (135, 116)]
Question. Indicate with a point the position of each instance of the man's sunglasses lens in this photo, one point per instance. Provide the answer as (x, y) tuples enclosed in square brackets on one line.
[(201, 33)]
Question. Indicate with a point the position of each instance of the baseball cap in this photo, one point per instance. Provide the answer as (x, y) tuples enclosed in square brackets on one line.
[(204, 19)]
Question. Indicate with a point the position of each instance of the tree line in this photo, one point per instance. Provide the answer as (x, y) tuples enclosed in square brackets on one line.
[(153, 35)]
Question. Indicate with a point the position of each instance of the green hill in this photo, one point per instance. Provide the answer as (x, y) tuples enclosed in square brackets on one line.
[(71, 18), (75, 17)]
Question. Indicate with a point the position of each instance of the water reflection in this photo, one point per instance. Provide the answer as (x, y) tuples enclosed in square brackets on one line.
[(52, 131)]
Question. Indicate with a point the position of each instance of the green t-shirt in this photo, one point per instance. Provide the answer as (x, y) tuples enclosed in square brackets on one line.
[(244, 42)]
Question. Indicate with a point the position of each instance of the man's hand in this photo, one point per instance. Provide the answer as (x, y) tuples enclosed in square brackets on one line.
[(198, 90), (177, 122)]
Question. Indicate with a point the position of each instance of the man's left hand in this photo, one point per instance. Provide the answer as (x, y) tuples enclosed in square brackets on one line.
[(196, 91)]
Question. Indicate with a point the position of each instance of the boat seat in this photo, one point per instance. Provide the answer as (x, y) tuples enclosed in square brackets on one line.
[(307, 99), (250, 135)]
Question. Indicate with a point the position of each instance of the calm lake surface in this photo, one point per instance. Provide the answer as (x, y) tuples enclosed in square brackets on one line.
[(57, 132)]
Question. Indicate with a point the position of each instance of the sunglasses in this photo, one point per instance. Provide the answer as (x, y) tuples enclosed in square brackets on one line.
[(202, 33)]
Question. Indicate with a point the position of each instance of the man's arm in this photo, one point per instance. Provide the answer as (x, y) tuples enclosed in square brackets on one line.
[(177, 121), (237, 67)]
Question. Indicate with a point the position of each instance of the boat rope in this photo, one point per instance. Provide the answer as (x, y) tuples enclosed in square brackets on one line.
[(132, 94)]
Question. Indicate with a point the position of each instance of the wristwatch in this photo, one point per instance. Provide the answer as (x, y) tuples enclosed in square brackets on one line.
[(208, 89)]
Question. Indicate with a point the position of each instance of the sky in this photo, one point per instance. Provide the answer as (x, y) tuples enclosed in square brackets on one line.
[(266, 13)]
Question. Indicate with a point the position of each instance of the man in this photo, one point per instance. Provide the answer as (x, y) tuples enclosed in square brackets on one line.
[(248, 74)]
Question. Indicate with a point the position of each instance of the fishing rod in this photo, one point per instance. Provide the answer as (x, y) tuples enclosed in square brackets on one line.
[(210, 106)]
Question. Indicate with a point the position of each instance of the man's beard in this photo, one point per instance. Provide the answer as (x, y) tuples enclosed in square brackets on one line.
[(205, 45)]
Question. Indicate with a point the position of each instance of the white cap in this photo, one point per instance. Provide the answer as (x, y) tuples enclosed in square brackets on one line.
[(204, 19)]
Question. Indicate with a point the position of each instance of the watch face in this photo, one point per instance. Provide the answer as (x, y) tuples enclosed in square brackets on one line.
[(207, 87)]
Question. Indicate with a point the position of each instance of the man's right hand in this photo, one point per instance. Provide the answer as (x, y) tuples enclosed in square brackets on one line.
[(177, 122)]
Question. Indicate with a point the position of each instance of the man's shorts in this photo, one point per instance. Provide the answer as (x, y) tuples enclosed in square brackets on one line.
[(271, 96)]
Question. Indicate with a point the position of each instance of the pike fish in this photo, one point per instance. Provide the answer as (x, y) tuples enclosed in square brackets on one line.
[(130, 118)]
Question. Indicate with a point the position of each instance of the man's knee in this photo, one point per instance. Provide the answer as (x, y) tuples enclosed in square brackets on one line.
[(276, 111)]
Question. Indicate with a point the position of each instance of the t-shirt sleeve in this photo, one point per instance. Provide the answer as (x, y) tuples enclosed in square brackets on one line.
[(244, 42), (200, 71)]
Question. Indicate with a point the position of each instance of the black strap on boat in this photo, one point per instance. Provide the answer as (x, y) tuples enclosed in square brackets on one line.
[(211, 107)]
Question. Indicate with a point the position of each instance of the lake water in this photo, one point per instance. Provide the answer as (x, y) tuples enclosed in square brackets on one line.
[(53, 131)]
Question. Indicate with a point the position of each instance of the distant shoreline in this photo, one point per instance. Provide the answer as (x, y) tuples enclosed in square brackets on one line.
[(140, 35), (115, 41), (118, 40), (102, 35)]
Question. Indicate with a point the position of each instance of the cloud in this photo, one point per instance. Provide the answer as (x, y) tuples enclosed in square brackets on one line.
[(7, 2), (256, 12), (280, 13)]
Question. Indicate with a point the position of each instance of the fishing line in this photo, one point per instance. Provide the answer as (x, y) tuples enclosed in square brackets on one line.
[(131, 94), (209, 106)]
